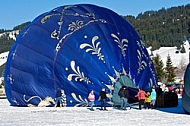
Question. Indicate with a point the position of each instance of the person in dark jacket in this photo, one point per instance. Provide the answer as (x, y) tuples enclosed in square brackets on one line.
[(124, 95), (102, 99), (159, 90), (58, 97)]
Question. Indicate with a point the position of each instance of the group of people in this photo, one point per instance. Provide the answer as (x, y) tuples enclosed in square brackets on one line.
[(123, 94), (147, 99), (102, 99)]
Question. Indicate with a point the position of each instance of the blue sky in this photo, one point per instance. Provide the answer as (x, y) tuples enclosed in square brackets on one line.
[(15, 12)]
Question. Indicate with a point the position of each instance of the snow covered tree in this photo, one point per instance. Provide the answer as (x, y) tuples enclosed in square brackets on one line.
[(181, 68), (159, 67), (169, 70)]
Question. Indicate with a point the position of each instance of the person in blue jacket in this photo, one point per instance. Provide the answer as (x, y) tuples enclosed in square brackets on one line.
[(153, 98)]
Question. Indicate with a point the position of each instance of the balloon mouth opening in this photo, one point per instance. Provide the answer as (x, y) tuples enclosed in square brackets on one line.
[(124, 80)]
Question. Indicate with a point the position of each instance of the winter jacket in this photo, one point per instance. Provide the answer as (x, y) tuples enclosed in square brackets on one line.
[(147, 99), (170, 88), (58, 93), (91, 97), (141, 95), (153, 95), (102, 95), (123, 92)]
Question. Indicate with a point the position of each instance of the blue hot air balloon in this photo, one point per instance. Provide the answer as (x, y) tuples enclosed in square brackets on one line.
[(76, 48), (186, 92)]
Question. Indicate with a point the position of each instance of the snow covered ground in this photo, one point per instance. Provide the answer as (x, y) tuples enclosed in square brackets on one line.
[(81, 116), (3, 58), (176, 58), (11, 35)]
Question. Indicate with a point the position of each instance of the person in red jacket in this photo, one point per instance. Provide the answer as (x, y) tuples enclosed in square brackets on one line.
[(170, 88), (141, 95)]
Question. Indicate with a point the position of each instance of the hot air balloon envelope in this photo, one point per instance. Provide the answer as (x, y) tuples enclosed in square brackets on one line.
[(76, 48)]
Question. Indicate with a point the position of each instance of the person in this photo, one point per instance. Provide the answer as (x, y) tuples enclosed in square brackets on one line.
[(147, 100), (102, 99), (124, 95), (141, 97), (58, 98), (159, 90), (170, 88), (91, 98), (153, 96)]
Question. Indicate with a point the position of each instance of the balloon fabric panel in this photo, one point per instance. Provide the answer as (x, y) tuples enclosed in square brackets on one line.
[(186, 92), (76, 48)]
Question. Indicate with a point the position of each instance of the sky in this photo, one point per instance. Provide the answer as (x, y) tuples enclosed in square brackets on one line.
[(16, 12)]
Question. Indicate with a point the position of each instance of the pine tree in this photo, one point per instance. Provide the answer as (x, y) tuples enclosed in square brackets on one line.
[(155, 45), (169, 70), (159, 67)]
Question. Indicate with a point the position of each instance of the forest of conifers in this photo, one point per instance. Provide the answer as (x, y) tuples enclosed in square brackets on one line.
[(165, 27)]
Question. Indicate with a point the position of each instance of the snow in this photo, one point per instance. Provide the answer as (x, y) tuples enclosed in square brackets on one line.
[(82, 116), (11, 35), (3, 58), (176, 58)]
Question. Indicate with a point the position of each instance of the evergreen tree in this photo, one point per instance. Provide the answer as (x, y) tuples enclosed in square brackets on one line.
[(159, 67), (169, 70), (189, 27), (165, 27), (155, 45)]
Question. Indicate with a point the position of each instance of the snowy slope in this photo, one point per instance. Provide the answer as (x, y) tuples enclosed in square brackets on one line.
[(176, 58), (11, 35), (3, 58)]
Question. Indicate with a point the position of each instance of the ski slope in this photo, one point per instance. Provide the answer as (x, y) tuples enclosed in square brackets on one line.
[(176, 58)]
